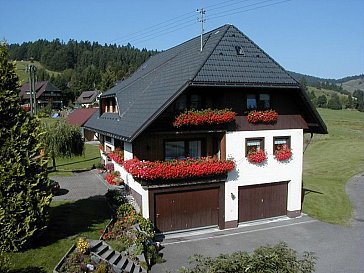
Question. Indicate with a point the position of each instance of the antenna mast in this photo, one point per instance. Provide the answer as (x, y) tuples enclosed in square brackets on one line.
[(201, 20)]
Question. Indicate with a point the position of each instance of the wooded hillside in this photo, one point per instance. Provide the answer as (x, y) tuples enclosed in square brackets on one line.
[(81, 65)]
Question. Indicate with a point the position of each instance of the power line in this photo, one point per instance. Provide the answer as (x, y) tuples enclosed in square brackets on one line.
[(173, 24)]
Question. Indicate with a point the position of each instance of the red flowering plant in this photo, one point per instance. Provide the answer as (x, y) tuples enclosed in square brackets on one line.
[(257, 157), (177, 169), (204, 117), (283, 153), (114, 178), (267, 116), (117, 155), (101, 147)]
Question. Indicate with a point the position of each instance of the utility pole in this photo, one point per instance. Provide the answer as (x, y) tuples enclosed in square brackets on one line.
[(31, 69), (201, 20)]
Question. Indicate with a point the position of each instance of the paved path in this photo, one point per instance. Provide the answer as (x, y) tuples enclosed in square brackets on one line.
[(80, 186), (339, 249)]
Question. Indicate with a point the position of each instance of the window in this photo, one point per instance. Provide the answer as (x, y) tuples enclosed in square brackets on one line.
[(260, 102), (195, 102), (182, 149), (264, 101), (281, 142), (253, 145), (251, 102), (181, 103)]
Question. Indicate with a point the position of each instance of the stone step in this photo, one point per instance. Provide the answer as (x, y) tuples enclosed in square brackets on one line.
[(130, 266), (115, 259), (122, 262), (100, 249), (107, 254)]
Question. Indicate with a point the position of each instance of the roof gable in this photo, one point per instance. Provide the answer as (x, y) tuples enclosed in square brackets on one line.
[(228, 58), (40, 88), (81, 115)]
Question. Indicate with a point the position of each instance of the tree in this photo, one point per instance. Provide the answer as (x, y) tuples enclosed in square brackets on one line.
[(25, 192), (322, 101), (334, 102), (349, 103), (62, 139), (359, 95)]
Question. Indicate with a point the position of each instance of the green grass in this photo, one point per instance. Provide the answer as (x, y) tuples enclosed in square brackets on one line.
[(329, 161), (66, 166), (68, 221), (22, 74)]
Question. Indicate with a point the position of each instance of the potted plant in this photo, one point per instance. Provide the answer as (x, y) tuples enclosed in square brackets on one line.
[(267, 116), (283, 153), (204, 117), (257, 157)]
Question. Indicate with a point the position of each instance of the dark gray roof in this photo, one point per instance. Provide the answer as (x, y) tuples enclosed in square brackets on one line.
[(87, 97), (147, 92), (40, 88)]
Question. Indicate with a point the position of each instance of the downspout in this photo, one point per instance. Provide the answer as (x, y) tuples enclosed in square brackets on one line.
[(308, 143)]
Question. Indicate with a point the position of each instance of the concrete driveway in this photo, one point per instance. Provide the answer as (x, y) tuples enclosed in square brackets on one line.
[(339, 249)]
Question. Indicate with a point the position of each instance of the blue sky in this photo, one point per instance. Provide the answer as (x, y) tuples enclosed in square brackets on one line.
[(323, 38)]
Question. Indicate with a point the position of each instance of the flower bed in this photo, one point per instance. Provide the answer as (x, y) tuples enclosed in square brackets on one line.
[(177, 169), (257, 157), (117, 155), (203, 117), (283, 153), (268, 116)]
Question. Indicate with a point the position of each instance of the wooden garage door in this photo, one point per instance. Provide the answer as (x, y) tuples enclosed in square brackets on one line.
[(188, 209), (262, 201)]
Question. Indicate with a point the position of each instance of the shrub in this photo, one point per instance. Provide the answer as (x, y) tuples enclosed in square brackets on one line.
[(278, 258)]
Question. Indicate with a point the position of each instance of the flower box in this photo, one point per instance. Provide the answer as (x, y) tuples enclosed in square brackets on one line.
[(117, 155), (268, 116), (283, 154), (114, 179), (257, 157), (177, 169), (204, 117)]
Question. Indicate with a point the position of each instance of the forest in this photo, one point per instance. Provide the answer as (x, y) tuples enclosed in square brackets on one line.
[(81, 66)]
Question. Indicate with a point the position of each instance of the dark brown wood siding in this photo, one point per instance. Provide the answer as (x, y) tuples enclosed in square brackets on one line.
[(262, 201), (151, 146), (186, 209)]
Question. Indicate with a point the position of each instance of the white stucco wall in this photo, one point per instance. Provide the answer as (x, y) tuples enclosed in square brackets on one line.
[(129, 180), (128, 150), (246, 173)]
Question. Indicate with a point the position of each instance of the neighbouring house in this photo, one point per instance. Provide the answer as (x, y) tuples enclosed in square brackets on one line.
[(87, 98), (230, 101), (79, 117), (46, 93)]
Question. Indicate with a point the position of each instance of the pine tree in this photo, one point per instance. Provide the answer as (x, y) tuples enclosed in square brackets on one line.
[(25, 193)]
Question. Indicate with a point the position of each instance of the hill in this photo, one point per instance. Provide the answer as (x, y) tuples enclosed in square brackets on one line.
[(355, 84), (21, 67)]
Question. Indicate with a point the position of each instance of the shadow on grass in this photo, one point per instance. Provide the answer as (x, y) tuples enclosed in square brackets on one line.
[(72, 218), (30, 269), (80, 161)]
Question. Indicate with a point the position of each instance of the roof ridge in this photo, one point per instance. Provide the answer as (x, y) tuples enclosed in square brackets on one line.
[(213, 50)]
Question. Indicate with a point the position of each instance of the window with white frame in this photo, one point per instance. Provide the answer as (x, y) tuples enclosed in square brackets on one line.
[(253, 145)]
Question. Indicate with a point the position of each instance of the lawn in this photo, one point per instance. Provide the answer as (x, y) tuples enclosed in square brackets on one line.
[(68, 221), (66, 166), (329, 161)]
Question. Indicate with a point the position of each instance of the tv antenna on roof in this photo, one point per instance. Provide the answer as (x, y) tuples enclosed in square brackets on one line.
[(202, 12)]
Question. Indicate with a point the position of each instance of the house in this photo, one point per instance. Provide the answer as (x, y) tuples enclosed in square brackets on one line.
[(87, 98), (79, 117), (138, 115), (46, 93)]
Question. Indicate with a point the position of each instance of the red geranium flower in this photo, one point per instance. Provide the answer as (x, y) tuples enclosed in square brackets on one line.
[(283, 153), (257, 157), (203, 117), (268, 116)]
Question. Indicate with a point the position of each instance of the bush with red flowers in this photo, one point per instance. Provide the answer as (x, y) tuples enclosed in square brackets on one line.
[(114, 178), (268, 116), (283, 153), (117, 155), (204, 117), (257, 157), (177, 169)]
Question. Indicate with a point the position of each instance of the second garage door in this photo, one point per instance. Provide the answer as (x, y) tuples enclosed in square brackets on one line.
[(186, 209), (262, 201)]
